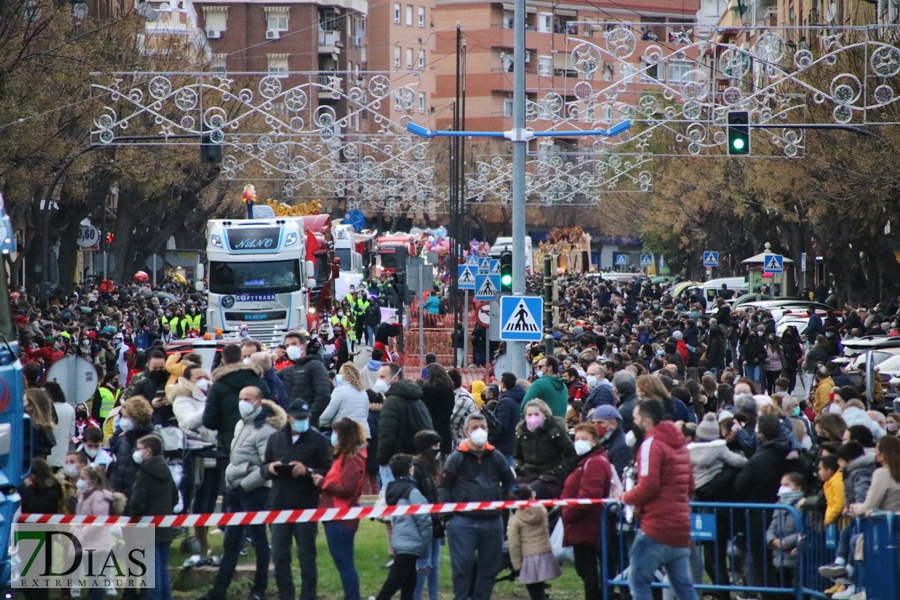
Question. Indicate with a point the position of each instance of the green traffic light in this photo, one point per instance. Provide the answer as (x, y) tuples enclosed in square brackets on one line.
[(506, 279), (738, 144)]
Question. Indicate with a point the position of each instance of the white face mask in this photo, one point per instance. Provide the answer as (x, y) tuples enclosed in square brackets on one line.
[(835, 409), (137, 456), (582, 447), (82, 485), (202, 385), (126, 424), (784, 490), (294, 352), (630, 439), (380, 386), (92, 452), (71, 470), (592, 381), (479, 437), (247, 361), (245, 408)]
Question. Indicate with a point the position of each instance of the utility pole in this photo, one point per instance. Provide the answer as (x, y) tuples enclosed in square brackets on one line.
[(516, 350)]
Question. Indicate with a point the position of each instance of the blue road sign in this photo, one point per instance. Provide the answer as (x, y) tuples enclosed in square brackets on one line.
[(465, 277), (710, 259), (486, 286), (773, 263), (803, 262), (621, 260), (646, 260), (484, 266), (520, 318), (472, 261)]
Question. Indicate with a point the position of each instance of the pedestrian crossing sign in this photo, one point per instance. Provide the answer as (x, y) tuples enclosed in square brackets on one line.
[(710, 259), (486, 286), (484, 266), (520, 318), (621, 260), (773, 263), (495, 267), (472, 261), (465, 277)]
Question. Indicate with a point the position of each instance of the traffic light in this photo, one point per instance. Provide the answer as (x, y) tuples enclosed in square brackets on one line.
[(506, 276), (210, 152), (738, 133)]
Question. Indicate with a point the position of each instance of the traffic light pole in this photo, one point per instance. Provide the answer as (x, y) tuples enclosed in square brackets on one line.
[(548, 305)]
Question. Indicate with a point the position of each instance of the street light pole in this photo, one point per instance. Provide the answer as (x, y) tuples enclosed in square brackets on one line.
[(516, 350)]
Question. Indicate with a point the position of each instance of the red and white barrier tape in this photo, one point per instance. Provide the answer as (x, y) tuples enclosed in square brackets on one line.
[(310, 515)]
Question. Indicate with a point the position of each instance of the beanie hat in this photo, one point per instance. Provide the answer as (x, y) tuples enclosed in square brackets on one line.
[(678, 335), (708, 429), (426, 439)]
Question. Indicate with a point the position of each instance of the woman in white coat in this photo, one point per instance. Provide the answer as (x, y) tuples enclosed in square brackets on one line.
[(349, 399), (188, 398)]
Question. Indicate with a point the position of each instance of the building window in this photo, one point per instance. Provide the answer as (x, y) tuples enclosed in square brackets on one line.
[(217, 65), (421, 16), (396, 56), (421, 60), (545, 23), (277, 22), (409, 14), (508, 19), (507, 107), (278, 65), (677, 70), (649, 72), (216, 20), (421, 102), (397, 12), (545, 66), (409, 58)]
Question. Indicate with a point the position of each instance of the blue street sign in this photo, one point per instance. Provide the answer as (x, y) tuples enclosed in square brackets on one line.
[(703, 526), (710, 259), (520, 318), (621, 260), (773, 263), (486, 286), (646, 260), (803, 262), (465, 277), (484, 266), (472, 261)]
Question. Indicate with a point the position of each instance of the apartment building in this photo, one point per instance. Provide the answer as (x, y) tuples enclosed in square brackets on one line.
[(551, 31), (300, 42), (401, 43)]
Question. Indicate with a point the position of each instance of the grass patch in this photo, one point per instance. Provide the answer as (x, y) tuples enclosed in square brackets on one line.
[(371, 556)]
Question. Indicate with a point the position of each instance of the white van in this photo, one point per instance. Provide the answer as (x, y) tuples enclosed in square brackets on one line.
[(711, 288), (505, 244)]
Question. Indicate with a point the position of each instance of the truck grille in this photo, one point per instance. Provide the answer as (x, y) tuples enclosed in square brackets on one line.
[(267, 334)]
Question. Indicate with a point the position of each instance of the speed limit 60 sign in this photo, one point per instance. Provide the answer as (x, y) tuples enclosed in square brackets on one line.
[(88, 236)]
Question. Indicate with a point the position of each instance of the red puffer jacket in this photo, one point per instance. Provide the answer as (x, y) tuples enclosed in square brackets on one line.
[(664, 487), (590, 479)]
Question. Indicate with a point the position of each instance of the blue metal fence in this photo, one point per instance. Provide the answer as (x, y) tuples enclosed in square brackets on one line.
[(731, 551)]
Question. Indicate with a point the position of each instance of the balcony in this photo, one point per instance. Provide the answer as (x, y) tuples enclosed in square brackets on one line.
[(333, 87), (330, 41)]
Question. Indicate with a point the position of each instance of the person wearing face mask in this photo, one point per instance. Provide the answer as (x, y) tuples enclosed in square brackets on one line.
[(247, 488), (107, 393), (222, 413), (188, 399), (544, 454), (591, 478), (607, 423), (475, 472), (151, 384), (403, 415), (308, 378), (661, 499), (194, 321), (154, 493), (93, 450), (95, 499), (134, 423), (426, 473), (549, 387), (294, 456), (782, 536)]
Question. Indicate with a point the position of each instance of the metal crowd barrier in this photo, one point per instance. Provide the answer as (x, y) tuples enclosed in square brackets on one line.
[(731, 554)]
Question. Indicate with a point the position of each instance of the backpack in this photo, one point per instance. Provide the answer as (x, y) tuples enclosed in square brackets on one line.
[(419, 417), (493, 423)]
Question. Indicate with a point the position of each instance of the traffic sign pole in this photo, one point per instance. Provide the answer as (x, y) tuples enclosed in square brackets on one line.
[(548, 306), (465, 328)]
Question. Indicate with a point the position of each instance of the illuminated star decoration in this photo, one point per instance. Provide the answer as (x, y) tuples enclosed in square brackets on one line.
[(682, 37), (832, 41)]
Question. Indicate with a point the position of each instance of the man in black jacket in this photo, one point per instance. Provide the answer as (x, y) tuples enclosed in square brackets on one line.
[(152, 386), (293, 455), (222, 412), (508, 410), (308, 379), (403, 415), (475, 472)]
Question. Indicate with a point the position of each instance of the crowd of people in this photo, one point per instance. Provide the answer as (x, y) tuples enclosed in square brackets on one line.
[(646, 399)]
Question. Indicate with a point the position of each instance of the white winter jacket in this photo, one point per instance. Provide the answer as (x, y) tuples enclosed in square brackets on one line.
[(346, 401)]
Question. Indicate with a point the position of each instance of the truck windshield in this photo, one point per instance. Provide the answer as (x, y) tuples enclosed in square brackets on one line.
[(278, 276), (345, 254), (389, 261), (323, 269)]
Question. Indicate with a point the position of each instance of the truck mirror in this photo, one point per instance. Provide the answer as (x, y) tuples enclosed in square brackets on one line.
[(310, 268), (199, 286), (310, 283)]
